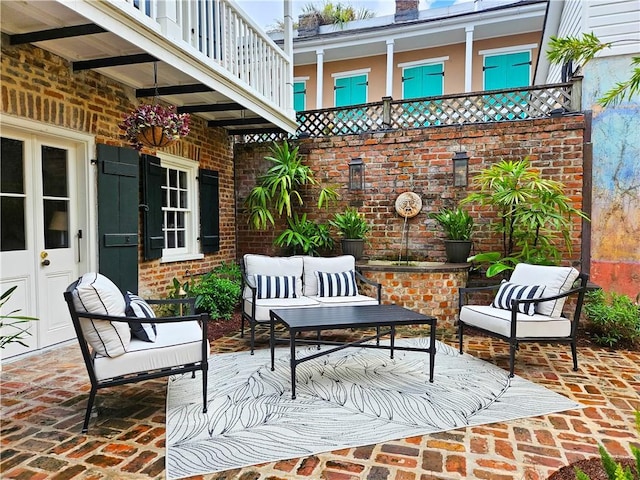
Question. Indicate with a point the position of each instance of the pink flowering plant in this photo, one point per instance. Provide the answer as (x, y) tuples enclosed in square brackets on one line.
[(174, 125)]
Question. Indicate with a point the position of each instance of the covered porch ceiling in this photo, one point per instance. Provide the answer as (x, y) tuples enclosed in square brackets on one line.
[(89, 43)]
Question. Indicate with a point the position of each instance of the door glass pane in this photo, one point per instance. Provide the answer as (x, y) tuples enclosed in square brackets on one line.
[(12, 224), (54, 172), (12, 166), (12, 196), (56, 218)]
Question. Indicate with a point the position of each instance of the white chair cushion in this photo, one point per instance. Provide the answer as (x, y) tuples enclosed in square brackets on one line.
[(345, 301), (177, 344), (95, 293), (263, 306), (499, 321), (555, 279), (342, 263), (264, 265), (339, 284)]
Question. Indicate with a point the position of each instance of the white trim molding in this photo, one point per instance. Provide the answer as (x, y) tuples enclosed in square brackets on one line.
[(512, 49), (426, 61), (351, 73)]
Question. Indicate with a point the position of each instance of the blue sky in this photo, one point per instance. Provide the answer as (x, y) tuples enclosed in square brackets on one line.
[(266, 12)]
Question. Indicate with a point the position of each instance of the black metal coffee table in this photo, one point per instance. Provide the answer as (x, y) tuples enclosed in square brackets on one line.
[(298, 320)]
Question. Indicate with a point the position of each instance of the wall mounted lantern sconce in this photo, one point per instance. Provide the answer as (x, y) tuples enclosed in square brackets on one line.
[(460, 169), (356, 174)]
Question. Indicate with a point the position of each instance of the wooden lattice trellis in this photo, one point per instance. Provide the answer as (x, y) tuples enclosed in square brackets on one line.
[(480, 107)]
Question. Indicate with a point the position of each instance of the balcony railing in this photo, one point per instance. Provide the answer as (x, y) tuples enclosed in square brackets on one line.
[(220, 32), (479, 107)]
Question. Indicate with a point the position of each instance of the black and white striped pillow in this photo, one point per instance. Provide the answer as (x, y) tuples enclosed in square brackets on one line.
[(342, 284), (511, 291), (137, 307), (276, 286)]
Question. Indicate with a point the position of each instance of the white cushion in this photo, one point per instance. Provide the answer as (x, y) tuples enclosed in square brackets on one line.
[(177, 344), (95, 293), (265, 265), (263, 306), (555, 279), (138, 307), (271, 286), (345, 301), (324, 264), (510, 291), (499, 321), (339, 284)]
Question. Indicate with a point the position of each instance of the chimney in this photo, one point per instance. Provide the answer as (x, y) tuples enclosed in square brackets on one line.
[(406, 10)]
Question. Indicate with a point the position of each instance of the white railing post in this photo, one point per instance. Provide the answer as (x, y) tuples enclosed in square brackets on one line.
[(168, 18)]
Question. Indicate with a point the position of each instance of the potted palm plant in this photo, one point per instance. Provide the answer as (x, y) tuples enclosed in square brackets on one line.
[(353, 228), (458, 227)]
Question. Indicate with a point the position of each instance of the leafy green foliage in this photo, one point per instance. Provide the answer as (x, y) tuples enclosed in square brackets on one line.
[(456, 223), (614, 318), (581, 51), (351, 224), (12, 325), (533, 213), (337, 13), (305, 237), (613, 469), (278, 190), (216, 295)]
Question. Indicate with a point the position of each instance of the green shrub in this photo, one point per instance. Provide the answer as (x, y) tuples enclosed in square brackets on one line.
[(614, 318), (230, 271), (216, 295)]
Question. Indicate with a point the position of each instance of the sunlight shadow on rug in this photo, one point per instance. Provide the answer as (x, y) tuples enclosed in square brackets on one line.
[(349, 398)]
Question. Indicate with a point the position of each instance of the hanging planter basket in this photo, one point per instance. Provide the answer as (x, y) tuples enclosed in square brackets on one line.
[(155, 126), (154, 137)]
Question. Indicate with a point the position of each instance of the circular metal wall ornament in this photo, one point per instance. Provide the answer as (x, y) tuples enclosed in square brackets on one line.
[(408, 204)]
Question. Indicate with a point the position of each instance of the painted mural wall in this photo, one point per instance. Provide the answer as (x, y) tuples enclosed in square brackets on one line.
[(615, 252)]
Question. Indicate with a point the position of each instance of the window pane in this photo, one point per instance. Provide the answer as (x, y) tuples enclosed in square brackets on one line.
[(12, 224), (56, 224), (171, 240), (171, 220), (11, 166), (183, 199), (54, 172), (173, 198), (181, 242), (173, 178), (183, 180), (180, 216)]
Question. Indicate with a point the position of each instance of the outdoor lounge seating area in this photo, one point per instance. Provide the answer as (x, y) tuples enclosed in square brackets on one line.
[(44, 398)]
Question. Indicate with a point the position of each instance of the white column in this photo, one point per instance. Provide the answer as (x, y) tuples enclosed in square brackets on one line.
[(167, 17), (468, 59), (389, 90), (319, 77), (288, 50)]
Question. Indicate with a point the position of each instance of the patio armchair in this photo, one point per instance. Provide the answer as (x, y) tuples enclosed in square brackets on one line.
[(122, 341), (528, 308)]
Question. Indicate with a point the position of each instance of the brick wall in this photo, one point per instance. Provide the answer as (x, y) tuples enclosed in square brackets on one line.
[(41, 86), (420, 161)]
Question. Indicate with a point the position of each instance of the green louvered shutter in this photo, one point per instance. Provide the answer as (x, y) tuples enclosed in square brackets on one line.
[(118, 215), (350, 90), (507, 71), (209, 211), (152, 216), (299, 96), (423, 81)]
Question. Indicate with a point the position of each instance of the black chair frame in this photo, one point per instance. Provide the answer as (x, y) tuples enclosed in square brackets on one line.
[(89, 356), (513, 340)]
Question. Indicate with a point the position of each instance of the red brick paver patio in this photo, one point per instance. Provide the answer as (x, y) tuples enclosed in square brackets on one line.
[(44, 398)]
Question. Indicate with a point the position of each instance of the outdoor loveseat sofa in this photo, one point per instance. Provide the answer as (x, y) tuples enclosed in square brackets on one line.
[(299, 281)]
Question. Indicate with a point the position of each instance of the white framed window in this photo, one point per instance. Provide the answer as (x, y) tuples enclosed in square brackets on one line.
[(179, 208)]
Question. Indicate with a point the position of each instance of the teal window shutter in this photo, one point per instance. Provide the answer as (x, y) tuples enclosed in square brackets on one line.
[(209, 211), (507, 71), (299, 96), (350, 90), (423, 81), (152, 207)]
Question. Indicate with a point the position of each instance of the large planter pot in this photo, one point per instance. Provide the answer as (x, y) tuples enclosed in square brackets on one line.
[(351, 246), (457, 250)]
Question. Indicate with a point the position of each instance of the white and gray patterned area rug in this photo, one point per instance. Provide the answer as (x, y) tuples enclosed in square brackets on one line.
[(349, 398)]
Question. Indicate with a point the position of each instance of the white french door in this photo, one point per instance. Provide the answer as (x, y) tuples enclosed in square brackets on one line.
[(41, 242)]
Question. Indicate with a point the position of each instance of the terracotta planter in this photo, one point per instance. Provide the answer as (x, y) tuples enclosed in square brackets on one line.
[(154, 137)]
